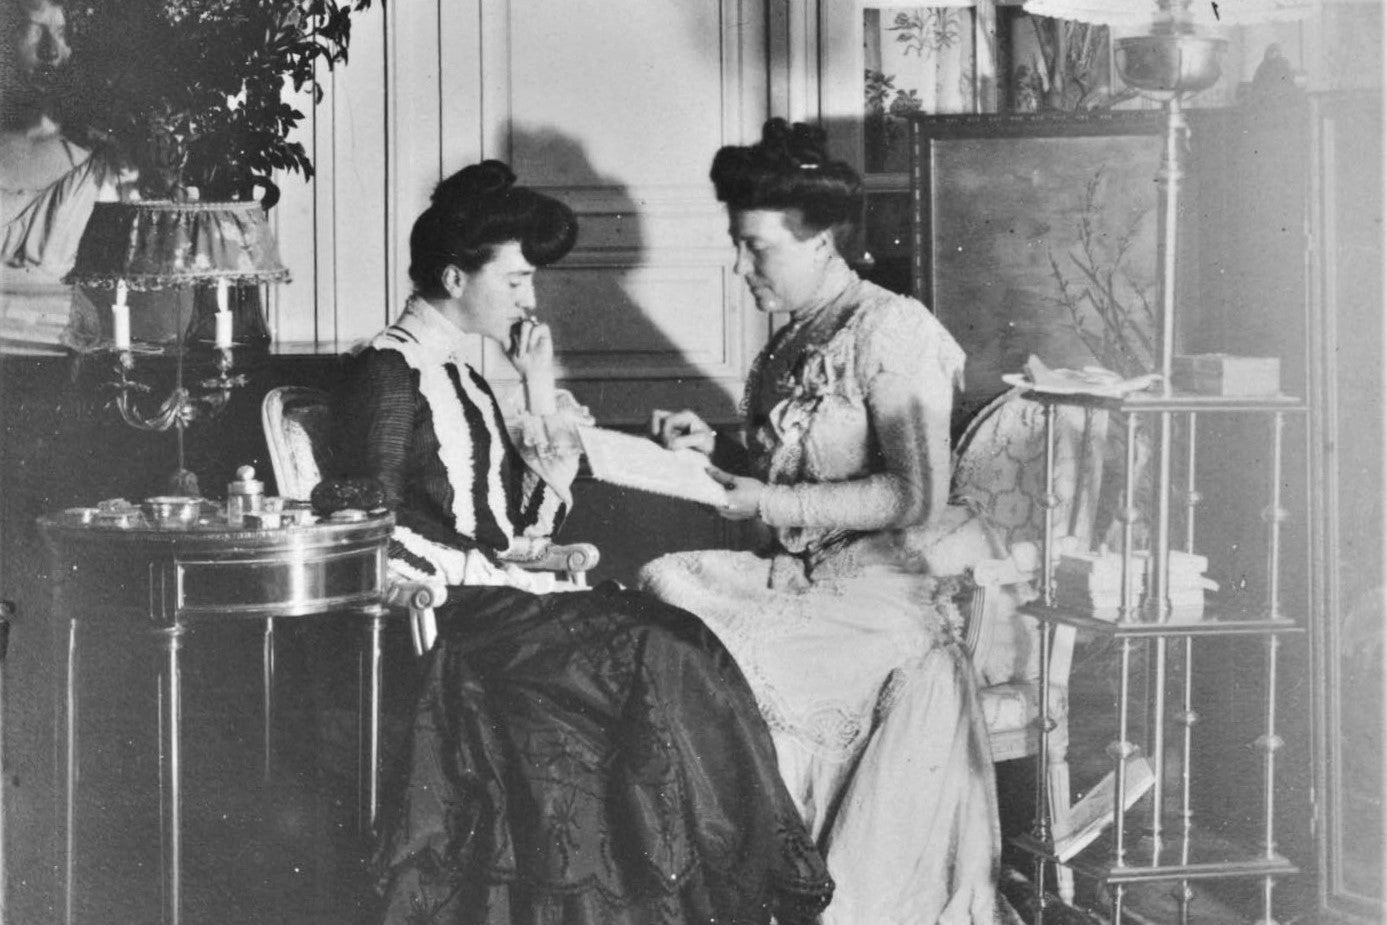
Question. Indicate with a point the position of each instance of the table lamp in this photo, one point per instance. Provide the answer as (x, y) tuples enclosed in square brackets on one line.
[(152, 245)]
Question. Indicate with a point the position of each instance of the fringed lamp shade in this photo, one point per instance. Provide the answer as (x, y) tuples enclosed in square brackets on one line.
[(158, 245)]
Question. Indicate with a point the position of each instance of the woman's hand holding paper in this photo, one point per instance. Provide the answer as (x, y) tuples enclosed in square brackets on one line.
[(743, 494)]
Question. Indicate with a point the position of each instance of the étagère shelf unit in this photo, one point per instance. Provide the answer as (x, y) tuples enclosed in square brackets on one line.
[(1158, 839)]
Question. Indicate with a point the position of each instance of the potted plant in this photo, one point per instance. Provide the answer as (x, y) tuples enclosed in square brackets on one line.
[(189, 92), (188, 95)]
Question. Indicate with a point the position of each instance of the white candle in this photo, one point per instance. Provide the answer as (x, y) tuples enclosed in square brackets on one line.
[(223, 338), (223, 329), (120, 320)]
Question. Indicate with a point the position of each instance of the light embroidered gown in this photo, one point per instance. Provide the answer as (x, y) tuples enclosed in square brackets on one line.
[(846, 628)]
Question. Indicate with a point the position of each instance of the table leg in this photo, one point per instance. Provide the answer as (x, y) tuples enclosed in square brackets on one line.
[(267, 672), (6, 611), (374, 625), (170, 770), (69, 771)]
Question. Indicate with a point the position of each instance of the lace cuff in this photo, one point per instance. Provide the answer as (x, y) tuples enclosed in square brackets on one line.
[(550, 436), (549, 443)]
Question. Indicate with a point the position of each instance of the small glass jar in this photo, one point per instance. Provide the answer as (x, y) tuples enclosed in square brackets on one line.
[(244, 496)]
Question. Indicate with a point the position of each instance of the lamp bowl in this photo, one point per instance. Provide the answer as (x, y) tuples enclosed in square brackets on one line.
[(172, 510), (1170, 63)]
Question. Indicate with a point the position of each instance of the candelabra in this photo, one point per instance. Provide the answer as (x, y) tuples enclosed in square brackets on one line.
[(156, 245)]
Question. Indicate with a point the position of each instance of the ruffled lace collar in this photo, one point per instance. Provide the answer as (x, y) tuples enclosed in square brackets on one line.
[(439, 339)]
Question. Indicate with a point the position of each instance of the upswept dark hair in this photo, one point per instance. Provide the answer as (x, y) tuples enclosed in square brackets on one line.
[(789, 168), (478, 208)]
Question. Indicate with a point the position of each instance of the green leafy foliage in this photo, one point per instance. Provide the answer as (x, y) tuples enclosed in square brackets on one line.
[(190, 92)]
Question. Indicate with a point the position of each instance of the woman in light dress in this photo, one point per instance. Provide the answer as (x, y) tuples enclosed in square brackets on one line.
[(845, 624)]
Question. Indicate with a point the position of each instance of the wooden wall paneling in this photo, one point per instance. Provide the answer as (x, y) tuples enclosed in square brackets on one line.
[(625, 136), (302, 233), (841, 80), (338, 232), (414, 129), (461, 67), (361, 187), (796, 51)]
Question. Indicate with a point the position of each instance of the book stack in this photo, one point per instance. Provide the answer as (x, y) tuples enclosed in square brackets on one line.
[(1091, 583), (1187, 585)]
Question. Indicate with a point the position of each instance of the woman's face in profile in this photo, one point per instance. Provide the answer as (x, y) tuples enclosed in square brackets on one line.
[(781, 268), (499, 293)]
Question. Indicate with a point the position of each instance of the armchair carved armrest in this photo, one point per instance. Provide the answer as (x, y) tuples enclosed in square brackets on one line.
[(1016, 571), (572, 559), (419, 598)]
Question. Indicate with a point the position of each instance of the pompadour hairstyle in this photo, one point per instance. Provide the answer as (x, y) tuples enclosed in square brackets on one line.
[(789, 168), (478, 208)]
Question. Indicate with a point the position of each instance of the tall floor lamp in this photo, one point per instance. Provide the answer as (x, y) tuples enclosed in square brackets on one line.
[(1173, 55), (175, 245)]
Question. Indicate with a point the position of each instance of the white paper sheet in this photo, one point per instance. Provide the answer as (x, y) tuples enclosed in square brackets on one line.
[(638, 462)]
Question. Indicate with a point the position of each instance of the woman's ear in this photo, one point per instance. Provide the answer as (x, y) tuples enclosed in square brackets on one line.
[(453, 280), (825, 244)]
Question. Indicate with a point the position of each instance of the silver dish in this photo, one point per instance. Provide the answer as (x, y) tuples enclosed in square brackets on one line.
[(172, 510)]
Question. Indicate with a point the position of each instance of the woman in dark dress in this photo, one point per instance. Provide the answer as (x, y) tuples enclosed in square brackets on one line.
[(588, 757)]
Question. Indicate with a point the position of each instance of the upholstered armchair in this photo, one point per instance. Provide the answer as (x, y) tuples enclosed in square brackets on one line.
[(999, 471), (297, 420)]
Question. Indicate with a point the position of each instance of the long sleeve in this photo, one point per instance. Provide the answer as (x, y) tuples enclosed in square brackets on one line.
[(374, 423), (551, 450), (906, 367)]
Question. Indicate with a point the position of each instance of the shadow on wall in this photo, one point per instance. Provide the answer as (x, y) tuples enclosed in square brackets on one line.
[(602, 329), (614, 354)]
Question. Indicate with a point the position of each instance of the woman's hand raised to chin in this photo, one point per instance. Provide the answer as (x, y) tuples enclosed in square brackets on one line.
[(743, 494), (531, 351)]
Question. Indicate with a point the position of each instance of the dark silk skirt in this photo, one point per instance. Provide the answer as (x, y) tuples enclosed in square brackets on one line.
[(589, 758)]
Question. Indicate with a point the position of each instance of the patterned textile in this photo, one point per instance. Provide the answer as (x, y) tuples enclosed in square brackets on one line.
[(999, 472), (575, 759), (845, 630), (591, 759), (1000, 467)]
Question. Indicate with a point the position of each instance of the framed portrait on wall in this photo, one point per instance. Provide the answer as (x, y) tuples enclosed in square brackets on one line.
[(1036, 234)]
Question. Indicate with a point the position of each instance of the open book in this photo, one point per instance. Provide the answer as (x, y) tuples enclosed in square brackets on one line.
[(638, 462), (1094, 813)]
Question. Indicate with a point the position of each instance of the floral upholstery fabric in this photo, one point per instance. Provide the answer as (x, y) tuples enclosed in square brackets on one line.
[(999, 473)]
